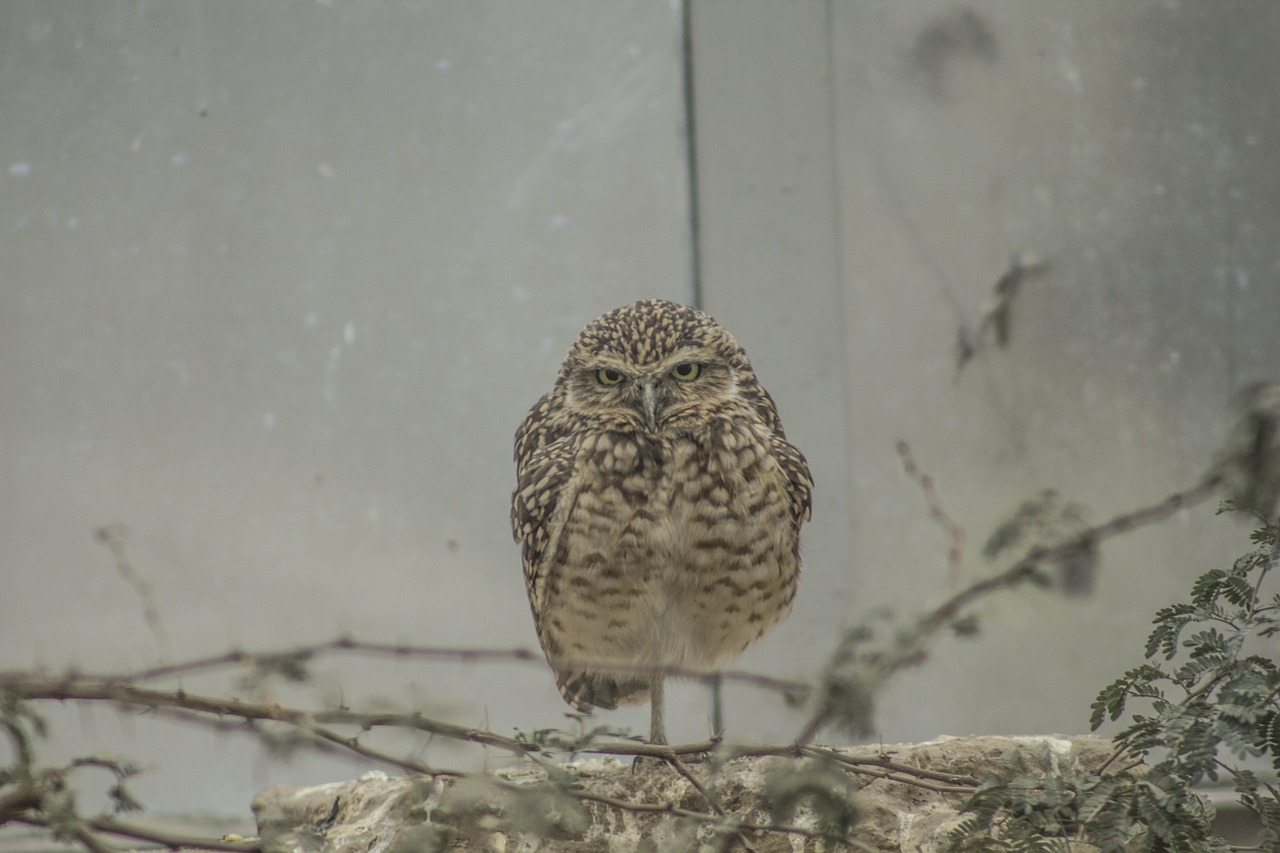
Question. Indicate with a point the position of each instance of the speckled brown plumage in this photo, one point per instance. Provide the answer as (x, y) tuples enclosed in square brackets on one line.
[(658, 506)]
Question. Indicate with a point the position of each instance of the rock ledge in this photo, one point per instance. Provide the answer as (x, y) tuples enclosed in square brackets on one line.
[(521, 809)]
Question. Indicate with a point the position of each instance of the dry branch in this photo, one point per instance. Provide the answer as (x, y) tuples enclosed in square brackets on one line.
[(909, 649)]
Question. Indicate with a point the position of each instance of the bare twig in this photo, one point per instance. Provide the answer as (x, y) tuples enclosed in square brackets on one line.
[(706, 817), (960, 783), (112, 538), (683, 769), (305, 653), (236, 657), (87, 689), (88, 840), (650, 750), (317, 739), (710, 799), (172, 840), (353, 744), (953, 531), (17, 801)]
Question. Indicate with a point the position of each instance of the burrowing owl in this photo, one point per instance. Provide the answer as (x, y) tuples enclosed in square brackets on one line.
[(658, 506)]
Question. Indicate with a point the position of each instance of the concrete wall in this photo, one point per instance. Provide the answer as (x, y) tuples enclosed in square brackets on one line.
[(867, 170), (281, 279)]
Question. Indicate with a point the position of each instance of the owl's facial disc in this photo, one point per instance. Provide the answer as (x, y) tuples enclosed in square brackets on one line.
[(647, 396)]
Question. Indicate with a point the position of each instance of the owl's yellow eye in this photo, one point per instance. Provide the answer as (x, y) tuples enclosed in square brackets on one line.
[(608, 376), (687, 372)]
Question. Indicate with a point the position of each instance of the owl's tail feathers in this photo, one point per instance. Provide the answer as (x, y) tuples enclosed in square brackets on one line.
[(588, 690)]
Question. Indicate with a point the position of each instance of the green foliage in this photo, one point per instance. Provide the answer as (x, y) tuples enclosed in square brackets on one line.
[(1211, 694), (1041, 523), (1038, 813), (493, 805), (847, 691), (293, 667), (821, 784), (1206, 698), (424, 838)]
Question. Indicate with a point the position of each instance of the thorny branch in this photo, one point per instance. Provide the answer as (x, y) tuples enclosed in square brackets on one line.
[(220, 711), (153, 835), (89, 689), (946, 612), (84, 688), (955, 534), (883, 768), (112, 538), (910, 650), (304, 654)]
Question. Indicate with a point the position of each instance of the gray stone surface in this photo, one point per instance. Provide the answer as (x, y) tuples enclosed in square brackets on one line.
[(385, 814)]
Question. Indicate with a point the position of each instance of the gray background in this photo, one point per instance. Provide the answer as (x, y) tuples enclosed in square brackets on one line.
[(280, 280)]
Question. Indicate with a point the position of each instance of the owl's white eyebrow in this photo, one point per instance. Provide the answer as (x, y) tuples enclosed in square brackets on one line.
[(684, 353), (604, 362)]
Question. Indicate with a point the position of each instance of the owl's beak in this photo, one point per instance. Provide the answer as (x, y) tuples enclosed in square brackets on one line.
[(649, 405)]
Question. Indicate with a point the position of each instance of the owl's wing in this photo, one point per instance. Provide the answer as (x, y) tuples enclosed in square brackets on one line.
[(794, 465), (799, 480), (544, 466)]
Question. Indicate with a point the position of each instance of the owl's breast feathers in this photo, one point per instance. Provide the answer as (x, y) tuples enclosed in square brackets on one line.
[(661, 550)]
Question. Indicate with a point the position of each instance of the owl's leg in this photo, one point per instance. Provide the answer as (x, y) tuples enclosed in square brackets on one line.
[(657, 731), (717, 707)]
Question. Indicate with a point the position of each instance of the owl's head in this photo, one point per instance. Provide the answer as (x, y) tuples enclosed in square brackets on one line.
[(656, 365)]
